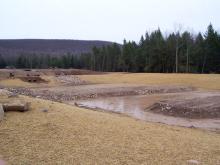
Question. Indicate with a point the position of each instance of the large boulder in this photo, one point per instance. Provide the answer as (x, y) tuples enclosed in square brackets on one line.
[(1, 112), (16, 106)]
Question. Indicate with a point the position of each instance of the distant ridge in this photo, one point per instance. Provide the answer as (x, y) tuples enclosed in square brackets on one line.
[(15, 47)]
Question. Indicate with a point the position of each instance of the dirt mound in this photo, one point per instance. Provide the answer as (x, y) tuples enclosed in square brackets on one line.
[(6, 73), (33, 79), (195, 108), (71, 80), (75, 72)]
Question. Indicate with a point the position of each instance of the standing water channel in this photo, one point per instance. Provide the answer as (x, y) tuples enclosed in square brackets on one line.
[(136, 107)]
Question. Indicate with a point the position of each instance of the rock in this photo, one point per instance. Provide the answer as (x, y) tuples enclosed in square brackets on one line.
[(1, 113), (13, 95), (16, 106), (70, 79), (192, 161), (44, 110)]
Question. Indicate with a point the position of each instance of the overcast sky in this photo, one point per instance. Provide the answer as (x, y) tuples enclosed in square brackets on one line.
[(111, 20)]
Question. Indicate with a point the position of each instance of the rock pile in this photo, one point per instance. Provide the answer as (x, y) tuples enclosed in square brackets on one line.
[(71, 79), (72, 94), (195, 108)]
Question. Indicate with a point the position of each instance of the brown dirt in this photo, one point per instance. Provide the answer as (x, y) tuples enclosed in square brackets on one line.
[(33, 79), (196, 106), (4, 73)]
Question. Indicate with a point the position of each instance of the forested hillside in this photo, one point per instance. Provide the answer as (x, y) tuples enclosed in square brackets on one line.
[(177, 52), (13, 48)]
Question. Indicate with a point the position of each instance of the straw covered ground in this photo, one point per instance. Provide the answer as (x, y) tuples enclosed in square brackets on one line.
[(56, 133), (204, 81), (70, 135)]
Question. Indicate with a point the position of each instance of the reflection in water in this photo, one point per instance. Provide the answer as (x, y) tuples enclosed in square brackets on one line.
[(132, 106)]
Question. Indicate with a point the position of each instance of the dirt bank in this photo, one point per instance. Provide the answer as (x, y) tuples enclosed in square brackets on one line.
[(68, 93), (4, 73), (198, 105)]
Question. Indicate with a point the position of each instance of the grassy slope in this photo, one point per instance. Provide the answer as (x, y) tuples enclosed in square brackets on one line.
[(69, 135), (206, 81)]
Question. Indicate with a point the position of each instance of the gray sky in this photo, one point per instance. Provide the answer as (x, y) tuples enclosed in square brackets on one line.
[(111, 20)]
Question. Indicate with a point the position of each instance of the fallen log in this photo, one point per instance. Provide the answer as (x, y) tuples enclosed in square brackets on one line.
[(20, 107), (1, 112)]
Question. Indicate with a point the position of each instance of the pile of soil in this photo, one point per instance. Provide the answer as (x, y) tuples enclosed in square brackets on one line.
[(75, 72), (71, 80), (33, 79), (5, 73), (194, 108)]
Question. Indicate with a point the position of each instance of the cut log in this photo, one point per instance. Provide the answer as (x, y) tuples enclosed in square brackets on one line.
[(20, 107), (1, 113)]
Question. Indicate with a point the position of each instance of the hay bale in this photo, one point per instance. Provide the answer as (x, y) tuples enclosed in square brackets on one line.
[(1, 112), (15, 106)]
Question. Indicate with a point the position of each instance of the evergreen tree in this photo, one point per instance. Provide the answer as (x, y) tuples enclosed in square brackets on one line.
[(2, 62)]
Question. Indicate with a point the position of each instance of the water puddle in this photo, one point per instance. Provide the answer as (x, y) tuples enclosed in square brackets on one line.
[(130, 105), (135, 106)]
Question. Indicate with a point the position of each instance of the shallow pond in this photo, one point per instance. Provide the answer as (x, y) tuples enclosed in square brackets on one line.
[(133, 106), (136, 107)]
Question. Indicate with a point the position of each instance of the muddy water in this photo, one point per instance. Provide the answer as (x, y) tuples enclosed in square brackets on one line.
[(130, 105), (136, 107)]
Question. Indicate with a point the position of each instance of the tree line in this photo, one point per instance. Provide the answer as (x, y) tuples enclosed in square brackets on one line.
[(175, 53)]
